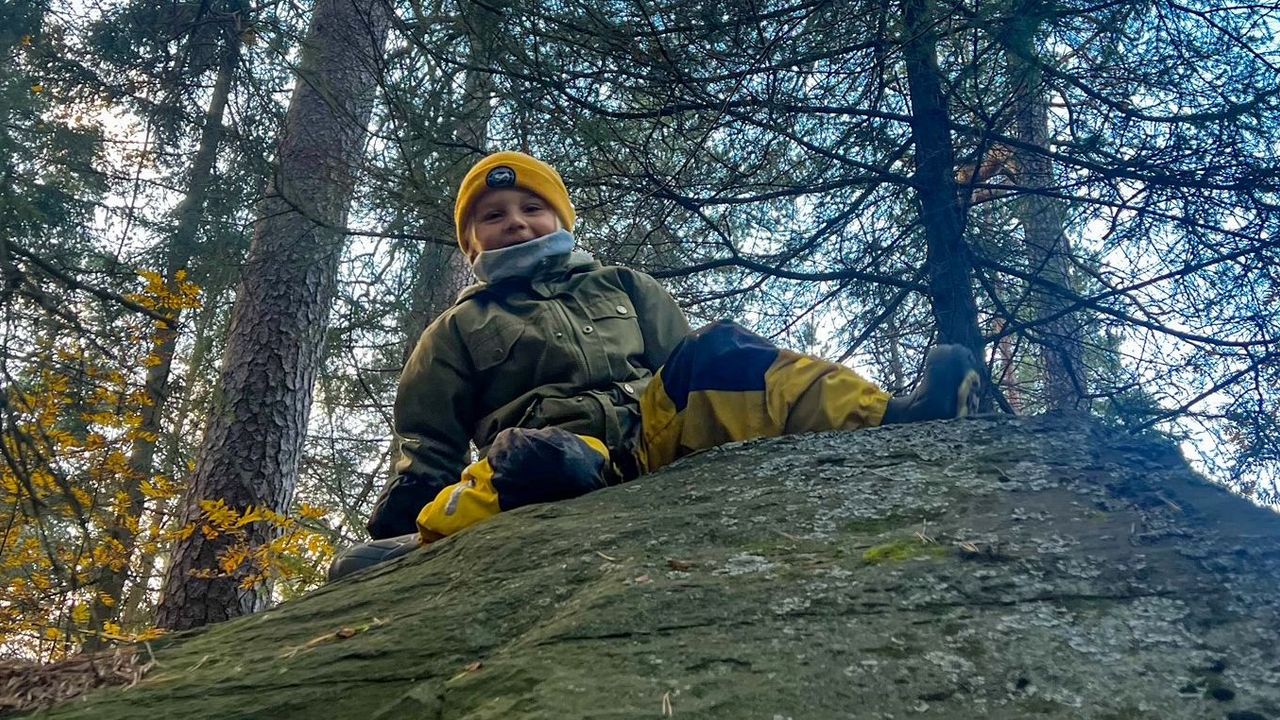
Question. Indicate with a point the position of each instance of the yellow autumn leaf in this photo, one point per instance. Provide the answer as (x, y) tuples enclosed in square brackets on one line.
[(251, 515), (144, 435), (37, 89), (218, 513), (311, 512), (99, 418), (148, 634), (82, 497)]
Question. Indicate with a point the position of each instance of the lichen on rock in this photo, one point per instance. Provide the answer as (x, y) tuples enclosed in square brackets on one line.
[(992, 567)]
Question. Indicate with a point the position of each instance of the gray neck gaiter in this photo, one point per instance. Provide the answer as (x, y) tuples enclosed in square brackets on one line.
[(521, 260)]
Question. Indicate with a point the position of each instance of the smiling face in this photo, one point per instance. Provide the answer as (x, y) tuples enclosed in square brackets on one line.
[(510, 216)]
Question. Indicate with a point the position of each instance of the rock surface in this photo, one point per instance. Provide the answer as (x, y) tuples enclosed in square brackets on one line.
[(994, 567)]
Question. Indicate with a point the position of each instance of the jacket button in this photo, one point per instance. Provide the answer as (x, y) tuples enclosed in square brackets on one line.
[(587, 330), (622, 309), (630, 390)]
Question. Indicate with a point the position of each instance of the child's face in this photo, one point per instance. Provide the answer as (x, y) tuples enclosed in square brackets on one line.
[(502, 218)]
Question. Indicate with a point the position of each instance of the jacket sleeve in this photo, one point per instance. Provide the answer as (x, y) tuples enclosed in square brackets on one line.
[(662, 322), (433, 416)]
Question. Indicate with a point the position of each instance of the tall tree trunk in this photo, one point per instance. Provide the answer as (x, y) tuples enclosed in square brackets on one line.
[(1042, 217), (108, 604), (947, 261), (249, 457)]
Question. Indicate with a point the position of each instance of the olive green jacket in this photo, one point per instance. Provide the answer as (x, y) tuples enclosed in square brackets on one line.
[(572, 347)]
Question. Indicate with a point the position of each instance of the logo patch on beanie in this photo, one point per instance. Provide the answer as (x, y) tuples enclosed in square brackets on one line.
[(500, 177)]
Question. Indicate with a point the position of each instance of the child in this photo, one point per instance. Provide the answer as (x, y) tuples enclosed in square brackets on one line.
[(569, 376)]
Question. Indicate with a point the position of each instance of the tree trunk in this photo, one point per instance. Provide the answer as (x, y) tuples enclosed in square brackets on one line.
[(110, 587), (947, 259), (249, 456), (1042, 218)]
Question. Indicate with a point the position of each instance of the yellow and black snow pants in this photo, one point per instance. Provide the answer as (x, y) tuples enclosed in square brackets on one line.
[(721, 384)]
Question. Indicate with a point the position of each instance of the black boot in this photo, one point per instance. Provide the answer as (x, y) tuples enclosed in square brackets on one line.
[(376, 552), (949, 389)]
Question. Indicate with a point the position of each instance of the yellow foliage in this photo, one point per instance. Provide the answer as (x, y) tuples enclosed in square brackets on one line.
[(308, 511), (147, 635), (60, 438), (139, 398), (82, 496), (101, 417), (81, 416), (233, 559), (217, 513), (251, 515), (143, 435), (120, 503)]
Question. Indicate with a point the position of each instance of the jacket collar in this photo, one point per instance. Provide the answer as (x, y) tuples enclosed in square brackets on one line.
[(552, 268)]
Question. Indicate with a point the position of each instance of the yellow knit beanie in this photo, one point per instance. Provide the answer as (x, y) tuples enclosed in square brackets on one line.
[(506, 170)]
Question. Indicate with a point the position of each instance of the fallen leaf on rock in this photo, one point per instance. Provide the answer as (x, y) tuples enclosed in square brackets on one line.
[(471, 667)]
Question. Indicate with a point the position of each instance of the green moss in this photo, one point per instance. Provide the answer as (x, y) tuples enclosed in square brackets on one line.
[(893, 651), (973, 649), (902, 550), (1127, 712), (876, 526), (1040, 706)]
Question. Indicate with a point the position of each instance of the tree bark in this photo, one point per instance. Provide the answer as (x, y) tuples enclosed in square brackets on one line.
[(947, 260), (249, 456), (1042, 218)]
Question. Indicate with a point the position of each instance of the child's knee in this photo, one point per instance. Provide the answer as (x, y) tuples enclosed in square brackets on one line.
[(545, 465)]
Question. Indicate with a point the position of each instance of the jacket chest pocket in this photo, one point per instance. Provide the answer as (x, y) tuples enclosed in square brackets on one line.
[(612, 324), (492, 342)]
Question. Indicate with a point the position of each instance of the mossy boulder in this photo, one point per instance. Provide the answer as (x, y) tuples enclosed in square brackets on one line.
[(993, 567)]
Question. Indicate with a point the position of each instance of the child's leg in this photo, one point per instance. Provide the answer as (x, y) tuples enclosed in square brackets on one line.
[(523, 467), (724, 383)]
